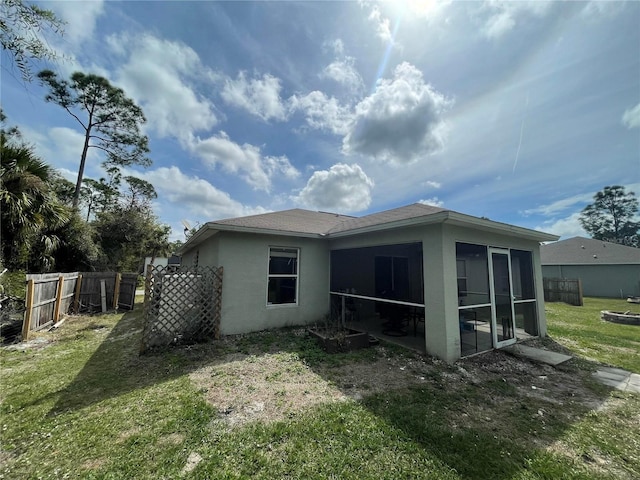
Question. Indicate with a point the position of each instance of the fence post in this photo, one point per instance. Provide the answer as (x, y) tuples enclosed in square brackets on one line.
[(76, 298), (580, 299), (56, 306), (147, 285), (116, 290), (103, 295), (219, 297), (26, 323)]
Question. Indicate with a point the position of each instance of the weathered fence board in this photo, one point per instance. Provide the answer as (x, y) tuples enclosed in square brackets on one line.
[(181, 305), (91, 293), (567, 290), (127, 290), (50, 295)]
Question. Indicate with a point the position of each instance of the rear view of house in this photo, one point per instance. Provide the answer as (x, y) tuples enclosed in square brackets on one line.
[(450, 284)]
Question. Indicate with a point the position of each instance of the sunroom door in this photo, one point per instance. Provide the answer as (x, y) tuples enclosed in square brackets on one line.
[(502, 314)]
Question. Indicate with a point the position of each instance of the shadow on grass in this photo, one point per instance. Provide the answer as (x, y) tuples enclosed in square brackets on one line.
[(480, 417), (491, 429), (116, 367)]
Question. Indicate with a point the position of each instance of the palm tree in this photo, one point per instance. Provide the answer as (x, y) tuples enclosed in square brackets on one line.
[(28, 205)]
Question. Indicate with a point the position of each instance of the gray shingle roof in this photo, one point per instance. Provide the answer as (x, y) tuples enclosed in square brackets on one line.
[(415, 210), (587, 251), (299, 222), (293, 221), (322, 223)]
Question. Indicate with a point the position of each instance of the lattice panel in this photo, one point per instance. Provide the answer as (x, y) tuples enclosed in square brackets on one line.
[(182, 305)]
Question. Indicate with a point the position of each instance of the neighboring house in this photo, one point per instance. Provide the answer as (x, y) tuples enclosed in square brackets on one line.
[(467, 284), (160, 262), (606, 269)]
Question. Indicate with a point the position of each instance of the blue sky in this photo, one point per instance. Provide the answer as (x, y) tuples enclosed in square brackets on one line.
[(516, 111)]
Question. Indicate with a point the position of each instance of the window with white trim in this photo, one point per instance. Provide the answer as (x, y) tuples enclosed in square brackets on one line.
[(282, 284)]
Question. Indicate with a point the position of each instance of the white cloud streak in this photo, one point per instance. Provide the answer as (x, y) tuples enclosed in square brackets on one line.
[(432, 184), (80, 18), (433, 201), (561, 205), (503, 16), (631, 117), (566, 227)]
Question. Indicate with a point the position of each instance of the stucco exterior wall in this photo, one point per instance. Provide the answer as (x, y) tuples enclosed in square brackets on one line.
[(244, 287), (613, 281), (207, 253), (245, 261)]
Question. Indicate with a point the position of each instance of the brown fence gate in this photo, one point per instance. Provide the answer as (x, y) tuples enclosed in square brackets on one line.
[(181, 305), (567, 290)]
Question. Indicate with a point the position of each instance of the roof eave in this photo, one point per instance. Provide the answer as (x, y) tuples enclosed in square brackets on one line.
[(582, 264), (454, 218), (211, 228), (264, 231), (202, 234), (460, 219), (408, 222)]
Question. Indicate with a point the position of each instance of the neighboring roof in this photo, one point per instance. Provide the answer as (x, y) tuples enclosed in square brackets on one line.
[(305, 223), (587, 251)]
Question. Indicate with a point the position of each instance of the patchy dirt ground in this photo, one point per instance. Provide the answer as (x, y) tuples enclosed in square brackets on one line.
[(494, 392), (246, 387)]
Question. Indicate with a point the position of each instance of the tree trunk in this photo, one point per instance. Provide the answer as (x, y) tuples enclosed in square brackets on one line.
[(83, 158)]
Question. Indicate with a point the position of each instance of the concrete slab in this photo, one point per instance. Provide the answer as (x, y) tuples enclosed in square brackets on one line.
[(615, 376), (618, 379), (537, 355)]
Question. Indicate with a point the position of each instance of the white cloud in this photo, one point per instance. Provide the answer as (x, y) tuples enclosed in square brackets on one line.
[(561, 205), (274, 165), (322, 112), (196, 197), (337, 46), (597, 9), (245, 159), (161, 75), (80, 18), (62, 146), (258, 96), (344, 72), (383, 25), (431, 184), (433, 201), (504, 15), (565, 227), (343, 188), (631, 117), (426, 9), (401, 121)]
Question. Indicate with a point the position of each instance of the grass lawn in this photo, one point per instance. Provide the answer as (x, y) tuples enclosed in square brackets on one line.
[(81, 403), (581, 330)]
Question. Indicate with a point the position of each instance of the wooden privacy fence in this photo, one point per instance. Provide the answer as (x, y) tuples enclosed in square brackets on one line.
[(182, 304), (567, 290), (50, 295)]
